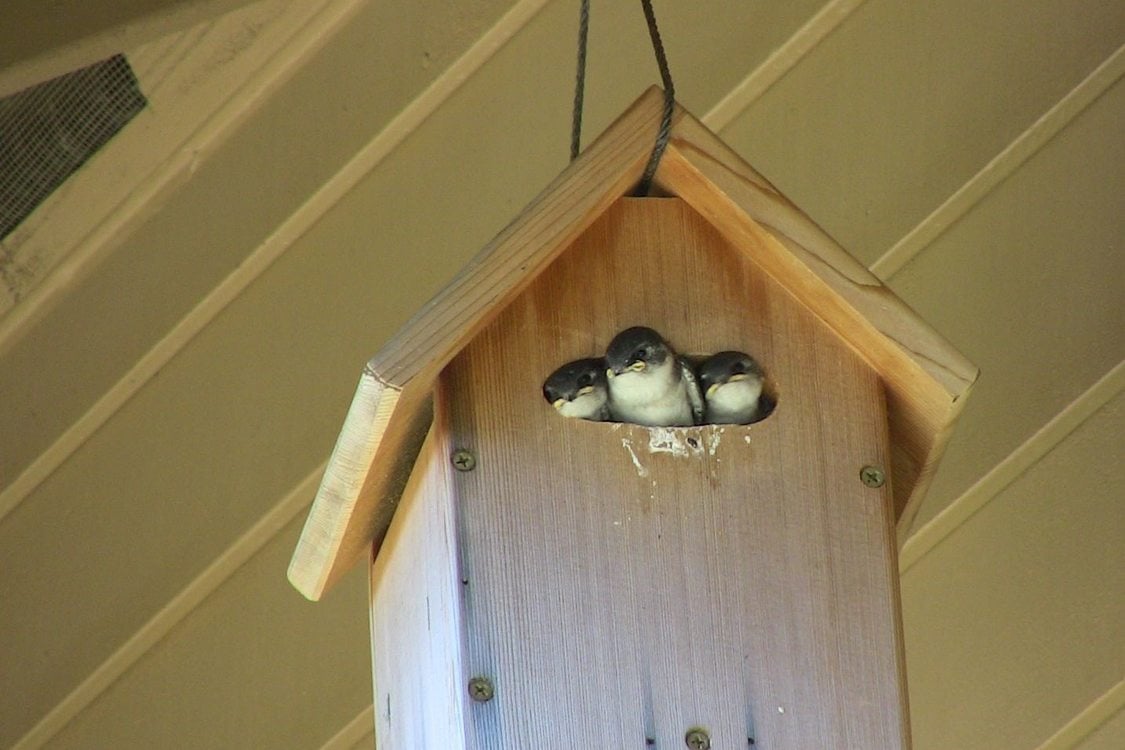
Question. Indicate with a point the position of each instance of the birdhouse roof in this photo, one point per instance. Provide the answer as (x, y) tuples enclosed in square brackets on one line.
[(924, 377)]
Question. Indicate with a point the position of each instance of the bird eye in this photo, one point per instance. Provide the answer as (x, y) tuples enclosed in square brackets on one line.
[(639, 355), (739, 368), (585, 379)]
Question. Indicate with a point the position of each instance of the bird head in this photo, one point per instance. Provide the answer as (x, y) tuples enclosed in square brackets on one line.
[(637, 349), (573, 380), (727, 367)]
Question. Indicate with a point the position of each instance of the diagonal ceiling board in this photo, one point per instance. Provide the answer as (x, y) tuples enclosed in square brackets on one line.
[(1108, 735), (991, 615), (867, 184), (252, 667), (133, 296), (165, 435), (743, 52), (904, 102), (193, 80), (1038, 270)]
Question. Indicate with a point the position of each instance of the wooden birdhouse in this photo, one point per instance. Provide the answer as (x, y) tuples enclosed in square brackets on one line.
[(546, 582)]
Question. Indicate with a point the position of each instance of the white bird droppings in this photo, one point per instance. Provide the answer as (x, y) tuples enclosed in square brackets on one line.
[(628, 445)]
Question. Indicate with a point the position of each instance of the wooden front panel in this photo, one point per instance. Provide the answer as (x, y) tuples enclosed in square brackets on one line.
[(623, 584)]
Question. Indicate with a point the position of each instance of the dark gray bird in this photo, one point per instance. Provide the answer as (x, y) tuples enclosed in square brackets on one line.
[(578, 389), (648, 383), (732, 387)]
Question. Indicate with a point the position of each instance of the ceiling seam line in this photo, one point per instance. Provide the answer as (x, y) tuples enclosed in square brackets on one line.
[(270, 250), (1022, 458), (1088, 720), (357, 728), (211, 133), (779, 62), (1006, 163), (186, 601)]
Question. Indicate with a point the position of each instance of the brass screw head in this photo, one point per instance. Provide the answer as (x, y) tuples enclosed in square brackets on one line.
[(872, 476), (697, 739), (463, 460), (480, 689)]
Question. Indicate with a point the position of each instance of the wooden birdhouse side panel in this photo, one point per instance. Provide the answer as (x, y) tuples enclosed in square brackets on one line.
[(625, 584), (417, 638)]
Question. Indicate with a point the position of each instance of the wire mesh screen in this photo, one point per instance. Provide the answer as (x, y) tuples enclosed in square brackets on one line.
[(48, 131)]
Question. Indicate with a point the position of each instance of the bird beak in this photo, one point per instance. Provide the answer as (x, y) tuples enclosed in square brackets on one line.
[(584, 391), (559, 402), (736, 377), (609, 373), (711, 389)]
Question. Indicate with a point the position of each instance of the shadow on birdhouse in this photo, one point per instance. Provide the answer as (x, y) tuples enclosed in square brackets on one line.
[(551, 582)]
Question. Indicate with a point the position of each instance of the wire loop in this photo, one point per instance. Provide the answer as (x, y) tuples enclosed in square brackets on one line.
[(665, 131)]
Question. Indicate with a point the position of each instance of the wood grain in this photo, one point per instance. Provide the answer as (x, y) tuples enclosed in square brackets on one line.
[(926, 380), (359, 492), (616, 590), (416, 627), (366, 471)]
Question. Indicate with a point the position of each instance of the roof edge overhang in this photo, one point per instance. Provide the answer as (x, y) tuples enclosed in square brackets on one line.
[(925, 378)]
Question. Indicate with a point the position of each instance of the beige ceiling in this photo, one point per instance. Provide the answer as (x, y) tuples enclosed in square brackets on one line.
[(182, 324)]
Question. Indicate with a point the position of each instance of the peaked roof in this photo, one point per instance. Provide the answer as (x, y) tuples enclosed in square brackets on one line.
[(925, 378)]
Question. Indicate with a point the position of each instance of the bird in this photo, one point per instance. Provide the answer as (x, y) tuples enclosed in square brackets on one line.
[(649, 384), (732, 388), (578, 389)]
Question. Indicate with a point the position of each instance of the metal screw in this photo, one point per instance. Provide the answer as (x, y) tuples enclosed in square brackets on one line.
[(697, 739), (463, 460), (480, 689), (872, 476)]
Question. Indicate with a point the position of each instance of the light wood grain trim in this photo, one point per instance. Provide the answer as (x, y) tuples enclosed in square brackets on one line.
[(369, 466), (367, 469), (562, 211), (926, 378), (696, 156)]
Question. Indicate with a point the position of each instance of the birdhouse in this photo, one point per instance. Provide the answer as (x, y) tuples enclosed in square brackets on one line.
[(546, 582)]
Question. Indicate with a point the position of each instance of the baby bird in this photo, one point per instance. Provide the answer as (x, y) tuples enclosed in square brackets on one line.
[(578, 389), (648, 383), (732, 388)]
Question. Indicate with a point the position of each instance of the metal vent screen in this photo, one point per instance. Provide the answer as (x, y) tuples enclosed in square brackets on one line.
[(48, 131)]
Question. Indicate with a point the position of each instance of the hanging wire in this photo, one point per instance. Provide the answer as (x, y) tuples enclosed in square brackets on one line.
[(665, 131), (580, 80)]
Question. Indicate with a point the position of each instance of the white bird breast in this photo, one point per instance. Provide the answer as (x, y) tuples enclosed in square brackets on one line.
[(585, 406), (651, 396), (735, 398)]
